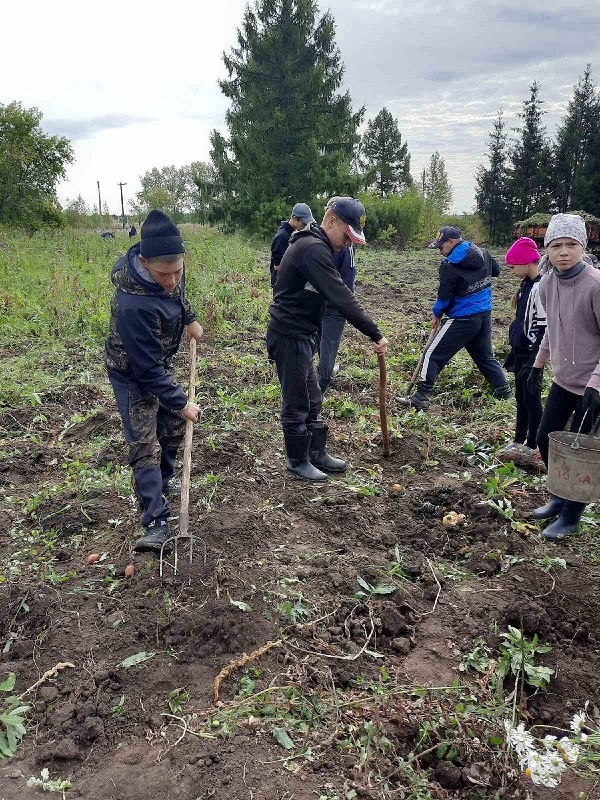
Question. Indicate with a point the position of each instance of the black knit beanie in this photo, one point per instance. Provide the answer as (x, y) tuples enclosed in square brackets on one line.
[(160, 237)]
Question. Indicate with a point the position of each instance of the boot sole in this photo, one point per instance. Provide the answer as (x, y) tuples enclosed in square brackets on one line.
[(558, 537), (142, 547), (308, 480)]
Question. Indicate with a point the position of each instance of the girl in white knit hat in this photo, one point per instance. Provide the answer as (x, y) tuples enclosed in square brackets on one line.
[(570, 294)]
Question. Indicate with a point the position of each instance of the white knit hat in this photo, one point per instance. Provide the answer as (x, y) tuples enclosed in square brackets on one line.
[(569, 226)]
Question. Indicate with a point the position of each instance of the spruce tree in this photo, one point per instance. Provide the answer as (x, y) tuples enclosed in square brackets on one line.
[(384, 157), (576, 141), (531, 173), (436, 185), (492, 193), (291, 132)]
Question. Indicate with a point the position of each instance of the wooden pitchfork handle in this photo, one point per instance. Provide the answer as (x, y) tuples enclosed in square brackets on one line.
[(382, 404), (184, 511)]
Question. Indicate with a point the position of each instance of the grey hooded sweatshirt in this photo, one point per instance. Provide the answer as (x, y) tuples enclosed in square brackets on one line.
[(572, 338)]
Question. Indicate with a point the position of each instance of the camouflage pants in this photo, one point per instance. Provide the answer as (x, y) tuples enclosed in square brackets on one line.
[(149, 427), (153, 433)]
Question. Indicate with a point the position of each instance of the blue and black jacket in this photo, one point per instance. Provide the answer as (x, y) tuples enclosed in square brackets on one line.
[(466, 282), (146, 324)]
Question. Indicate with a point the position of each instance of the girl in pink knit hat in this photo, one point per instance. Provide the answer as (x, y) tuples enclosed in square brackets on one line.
[(525, 335)]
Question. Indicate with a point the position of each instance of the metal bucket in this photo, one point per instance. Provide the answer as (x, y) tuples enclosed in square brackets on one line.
[(574, 466)]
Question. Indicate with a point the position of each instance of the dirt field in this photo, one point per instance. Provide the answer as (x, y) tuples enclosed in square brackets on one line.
[(365, 603)]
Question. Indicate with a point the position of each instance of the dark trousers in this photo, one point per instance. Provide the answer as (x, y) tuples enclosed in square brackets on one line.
[(560, 404), (557, 412), (153, 434), (475, 335), (529, 405), (300, 390), (328, 344)]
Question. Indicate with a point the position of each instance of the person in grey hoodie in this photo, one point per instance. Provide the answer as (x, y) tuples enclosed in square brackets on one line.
[(570, 294)]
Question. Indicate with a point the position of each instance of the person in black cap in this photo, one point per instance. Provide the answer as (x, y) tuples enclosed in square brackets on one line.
[(465, 297), (307, 279), (301, 216), (149, 311)]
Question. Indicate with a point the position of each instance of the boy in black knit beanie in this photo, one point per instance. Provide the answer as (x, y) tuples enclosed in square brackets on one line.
[(149, 311)]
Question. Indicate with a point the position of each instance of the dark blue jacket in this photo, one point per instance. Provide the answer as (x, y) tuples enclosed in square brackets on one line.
[(279, 245), (466, 282), (343, 261), (145, 329)]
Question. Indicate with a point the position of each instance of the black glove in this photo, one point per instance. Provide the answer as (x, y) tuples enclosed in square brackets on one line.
[(535, 380), (591, 401), (509, 362), (525, 371)]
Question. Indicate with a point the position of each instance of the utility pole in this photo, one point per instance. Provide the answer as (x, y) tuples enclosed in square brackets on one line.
[(99, 203), (121, 185)]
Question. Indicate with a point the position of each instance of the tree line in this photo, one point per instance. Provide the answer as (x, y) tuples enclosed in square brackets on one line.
[(528, 173), (292, 134)]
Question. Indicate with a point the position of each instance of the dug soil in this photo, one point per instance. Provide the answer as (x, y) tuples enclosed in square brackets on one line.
[(364, 605)]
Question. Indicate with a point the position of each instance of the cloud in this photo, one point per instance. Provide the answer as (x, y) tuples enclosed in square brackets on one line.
[(442, 69), (75, 129)]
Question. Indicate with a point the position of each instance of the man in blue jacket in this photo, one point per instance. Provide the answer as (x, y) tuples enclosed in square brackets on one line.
[(332, 326), (465, 297), (149, 312), (301, 217)]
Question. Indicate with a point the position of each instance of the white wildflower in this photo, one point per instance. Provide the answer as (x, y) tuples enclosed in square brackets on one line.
[(568, 750), (545, 769), (578, 721), (521, 741)]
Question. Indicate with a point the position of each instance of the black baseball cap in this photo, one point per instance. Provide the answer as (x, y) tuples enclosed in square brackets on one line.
[(449, 232), (353, 213)]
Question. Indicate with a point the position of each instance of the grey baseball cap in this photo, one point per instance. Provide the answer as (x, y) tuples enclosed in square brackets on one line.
[(303, 212)]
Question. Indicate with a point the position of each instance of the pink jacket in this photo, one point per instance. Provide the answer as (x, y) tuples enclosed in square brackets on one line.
[(572, 338)]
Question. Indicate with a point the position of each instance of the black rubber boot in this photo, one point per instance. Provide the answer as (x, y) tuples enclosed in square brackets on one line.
[(298, 464), (170, 488), (553, 508), (157, 533), (567, 523), (420, 400), (502, 392), (319, 457)]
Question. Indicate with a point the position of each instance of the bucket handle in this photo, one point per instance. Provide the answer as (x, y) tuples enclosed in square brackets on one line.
[(594, 431)]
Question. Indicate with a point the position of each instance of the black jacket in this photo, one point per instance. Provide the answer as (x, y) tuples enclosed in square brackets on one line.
[(306, 279), (145, 329), (527, 329), (279, 245)]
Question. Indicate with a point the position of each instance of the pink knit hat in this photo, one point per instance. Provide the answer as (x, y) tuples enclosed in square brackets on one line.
[(523, 251)]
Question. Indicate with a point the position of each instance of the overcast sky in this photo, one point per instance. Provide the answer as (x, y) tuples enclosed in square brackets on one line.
[(133, 84)]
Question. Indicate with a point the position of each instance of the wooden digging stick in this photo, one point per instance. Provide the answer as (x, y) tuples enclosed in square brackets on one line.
[(184, 511), (382, 404)]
